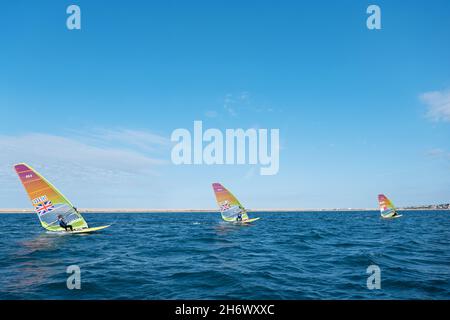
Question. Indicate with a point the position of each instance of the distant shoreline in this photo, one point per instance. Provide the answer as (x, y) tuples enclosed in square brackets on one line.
[(18, 211)]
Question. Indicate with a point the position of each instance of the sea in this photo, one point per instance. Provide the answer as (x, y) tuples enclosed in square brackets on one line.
[(193, 255)]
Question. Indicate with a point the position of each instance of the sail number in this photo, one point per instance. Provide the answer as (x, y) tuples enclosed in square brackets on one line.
[(39, 199)]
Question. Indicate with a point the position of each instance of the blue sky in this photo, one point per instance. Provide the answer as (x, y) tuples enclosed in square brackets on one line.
[(360, 112)]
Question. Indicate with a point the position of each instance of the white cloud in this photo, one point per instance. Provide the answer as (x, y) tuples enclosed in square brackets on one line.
[(103, 162), (98, 151), (232, 103), (236, 104), (250, 173), (128, 139), (438, 153), (438, 103), (211, 114)]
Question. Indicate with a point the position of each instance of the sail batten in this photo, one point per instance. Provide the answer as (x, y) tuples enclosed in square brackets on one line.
[(27, 182), (48, 202), (40, 190)]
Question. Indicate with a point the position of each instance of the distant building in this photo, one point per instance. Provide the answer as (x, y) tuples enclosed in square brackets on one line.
[(444, 206)]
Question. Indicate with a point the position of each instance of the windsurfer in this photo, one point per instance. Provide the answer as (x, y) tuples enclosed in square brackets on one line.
[(239, 216), (63, 224)]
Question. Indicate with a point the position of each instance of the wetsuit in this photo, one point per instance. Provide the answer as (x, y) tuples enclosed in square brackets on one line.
[(64, 225), (239, 217)]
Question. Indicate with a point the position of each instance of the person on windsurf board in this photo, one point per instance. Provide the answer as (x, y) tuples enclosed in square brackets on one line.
[(230, 208), (63, 224), (387, 209), (239, 216), (55, 212)]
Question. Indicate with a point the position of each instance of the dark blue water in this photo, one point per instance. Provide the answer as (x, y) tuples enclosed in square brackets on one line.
[(317, 255)]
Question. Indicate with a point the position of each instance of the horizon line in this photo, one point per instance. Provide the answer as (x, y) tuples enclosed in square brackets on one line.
[(174, 210)]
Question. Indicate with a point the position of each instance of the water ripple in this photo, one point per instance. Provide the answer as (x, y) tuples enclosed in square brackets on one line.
[(315, 255)]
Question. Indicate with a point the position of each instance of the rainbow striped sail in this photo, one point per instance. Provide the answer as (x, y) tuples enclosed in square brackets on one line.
[(47, 201), (387, 209), (230, 208)]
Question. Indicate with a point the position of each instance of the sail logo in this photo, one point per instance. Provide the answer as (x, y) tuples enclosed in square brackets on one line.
[(39, 199), (235, 147), (44, 207), (225, 205)]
